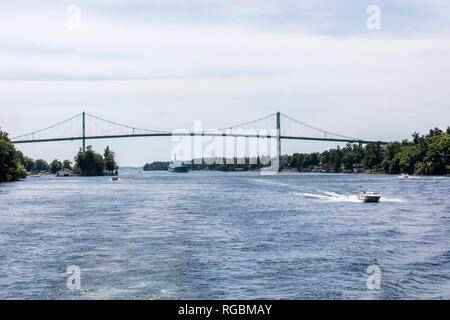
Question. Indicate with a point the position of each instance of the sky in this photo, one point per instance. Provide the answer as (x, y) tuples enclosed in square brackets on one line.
[(165, 64)]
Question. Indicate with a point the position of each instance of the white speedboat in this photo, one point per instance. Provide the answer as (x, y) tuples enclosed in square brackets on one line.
[(369, 196), (405, 175)]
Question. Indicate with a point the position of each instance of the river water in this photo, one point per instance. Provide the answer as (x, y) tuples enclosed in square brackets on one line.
[(214, 235)]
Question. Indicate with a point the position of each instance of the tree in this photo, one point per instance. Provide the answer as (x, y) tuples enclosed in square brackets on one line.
[(55, 166), (20, 156), (10, 167), (29, 164), (407, 160), (41, 165), (416, 137), (394, 166), (348, 159), (372, 155), (156, 166), (389, 153), (335, 159), (110, 161), (89, 162), (435, 132), (435, 160), (391, 149), (67, 164)]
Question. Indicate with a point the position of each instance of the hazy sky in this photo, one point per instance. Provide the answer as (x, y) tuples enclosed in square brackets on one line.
[(164, 64)]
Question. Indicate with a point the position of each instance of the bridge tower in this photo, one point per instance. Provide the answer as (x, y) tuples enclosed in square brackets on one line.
[(279, 138), (84, 131)]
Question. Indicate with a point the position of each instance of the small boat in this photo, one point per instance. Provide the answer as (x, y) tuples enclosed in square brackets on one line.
[(114, 178), (369, 196), (177, 166), (405, 175)]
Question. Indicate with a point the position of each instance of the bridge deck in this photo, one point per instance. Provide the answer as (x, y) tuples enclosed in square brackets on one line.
[(168, 134)]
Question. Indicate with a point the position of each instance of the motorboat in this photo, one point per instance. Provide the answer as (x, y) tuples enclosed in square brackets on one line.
[(115, 178), (369, 196), (405, 175)]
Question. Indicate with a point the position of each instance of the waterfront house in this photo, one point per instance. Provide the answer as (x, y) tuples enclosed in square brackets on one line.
[(64, 173), (358, 168)]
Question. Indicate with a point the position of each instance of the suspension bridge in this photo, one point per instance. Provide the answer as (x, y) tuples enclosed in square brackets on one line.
[(85, 126)]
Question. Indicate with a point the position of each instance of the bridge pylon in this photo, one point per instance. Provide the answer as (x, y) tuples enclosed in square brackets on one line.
[(279, 139), (84, 131)]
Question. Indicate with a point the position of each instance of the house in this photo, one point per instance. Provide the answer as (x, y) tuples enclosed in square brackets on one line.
[(64, 173), (358, 168)]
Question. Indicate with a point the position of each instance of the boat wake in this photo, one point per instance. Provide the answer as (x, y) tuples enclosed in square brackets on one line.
[(325, 196), (386, 199), (328, 196)]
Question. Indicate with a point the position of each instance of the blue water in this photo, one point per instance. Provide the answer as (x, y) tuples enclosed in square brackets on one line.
[(214, 235)]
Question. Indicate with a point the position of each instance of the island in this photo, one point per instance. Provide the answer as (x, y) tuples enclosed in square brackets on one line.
[(427, 154)]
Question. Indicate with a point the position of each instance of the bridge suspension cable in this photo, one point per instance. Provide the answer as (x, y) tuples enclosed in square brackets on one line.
[(90, 126), (246, 124), (125, 126), (323, 133), (48, 128)]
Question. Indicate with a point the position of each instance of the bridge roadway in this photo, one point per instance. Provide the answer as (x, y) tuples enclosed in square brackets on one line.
[(197, 134)]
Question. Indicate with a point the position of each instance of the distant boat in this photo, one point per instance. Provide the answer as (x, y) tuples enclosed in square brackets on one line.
[(369, 196), (114, 178), (177, 166), (405, 175)]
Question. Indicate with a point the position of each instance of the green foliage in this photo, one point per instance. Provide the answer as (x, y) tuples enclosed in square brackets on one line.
[(391, 150), (11, 168), (89, 162), (373, 155), (41, 165), (110, 161), (217, 164), (427, 154), (29, 164), (156, 166), (67, 164), (55, 166), (407, 159)]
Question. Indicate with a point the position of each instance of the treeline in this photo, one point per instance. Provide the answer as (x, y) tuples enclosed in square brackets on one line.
[(156, 166), (87, 163), (91, 163), (230, 164), (425, 154), (217, 164), (11, 168), (40, 165)]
